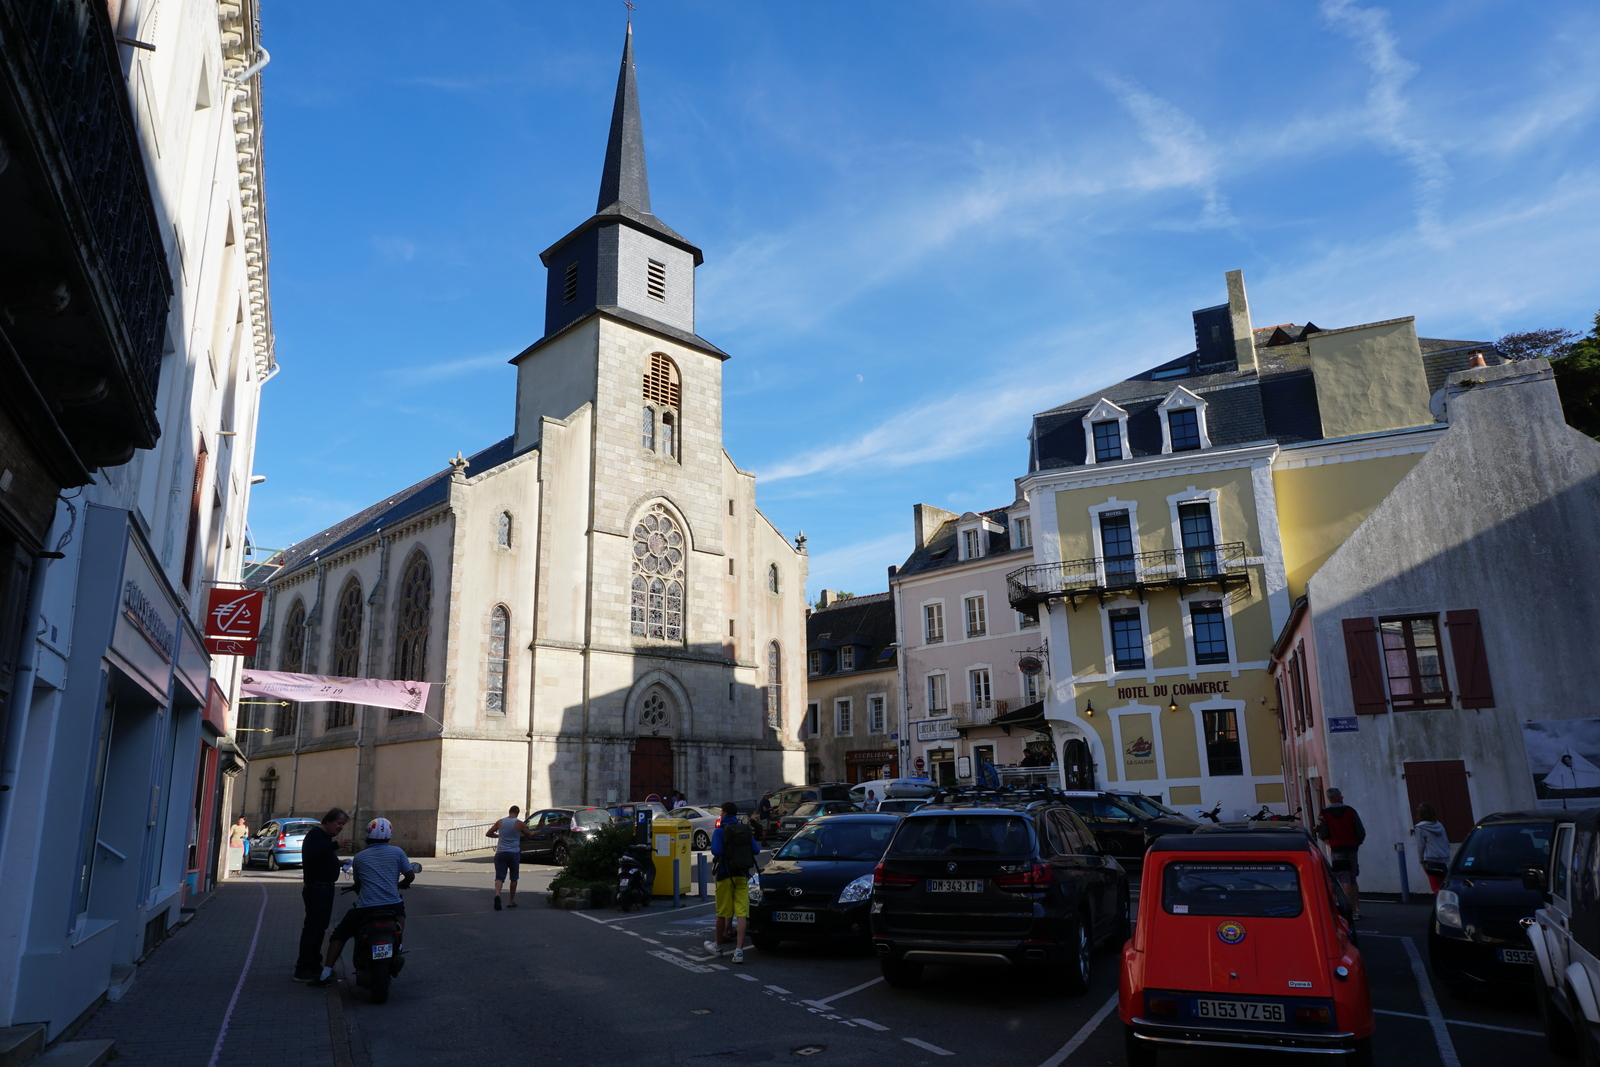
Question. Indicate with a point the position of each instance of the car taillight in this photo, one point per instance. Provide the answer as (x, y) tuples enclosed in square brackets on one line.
[(891, 879), (1313, 1016), (1163, 1006), (1036, 876), (281, 839)]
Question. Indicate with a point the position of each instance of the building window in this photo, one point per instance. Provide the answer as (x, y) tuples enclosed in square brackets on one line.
[(938, 695), (1025, 622), (411, 631), (502, 531), (499, 633), (656, 279), (877, 721), (1199, 540), (662, 384), (1127, 640), (1412, 661), (346, 649), (1116, 546), (1021, 532), (569, 284), (1302, 685), (1210, 636), (847, 658), (971, 542), (663, 399), (291, 658), (813, 713), (1223, 755), (933, 622), (657, 577), (843, 717), (814, 662), (1184, 426), (1107, 441), (1030, 687), (977, 621), (978, 685), (669, 435), (647, 429), (774, 685), (772, 578), (269, 792)]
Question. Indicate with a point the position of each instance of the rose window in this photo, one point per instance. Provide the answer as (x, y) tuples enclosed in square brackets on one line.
[(657, 577), (654, 712)]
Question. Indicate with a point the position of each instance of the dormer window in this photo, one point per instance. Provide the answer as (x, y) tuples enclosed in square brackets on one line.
[(1184, 425), (1183, 422), (1021, 531), (1105, 429), (1107, 441), (970, 544), (847, 658)]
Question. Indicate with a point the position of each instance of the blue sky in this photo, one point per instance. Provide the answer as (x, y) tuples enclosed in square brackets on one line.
[(921, 222)]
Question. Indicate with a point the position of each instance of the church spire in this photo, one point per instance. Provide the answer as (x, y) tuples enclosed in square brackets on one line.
[(624, 178)]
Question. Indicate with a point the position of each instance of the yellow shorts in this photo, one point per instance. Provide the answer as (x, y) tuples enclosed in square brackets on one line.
[(733, 898)]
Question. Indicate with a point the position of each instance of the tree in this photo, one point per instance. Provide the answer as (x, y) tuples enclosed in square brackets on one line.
[(1575, 361)]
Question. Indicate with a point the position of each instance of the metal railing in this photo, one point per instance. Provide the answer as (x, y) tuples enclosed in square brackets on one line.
[(470, 838), (1220, 565), (969, 713)]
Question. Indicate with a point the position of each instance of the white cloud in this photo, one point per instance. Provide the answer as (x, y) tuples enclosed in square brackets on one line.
[(454, 368), (861, 567)]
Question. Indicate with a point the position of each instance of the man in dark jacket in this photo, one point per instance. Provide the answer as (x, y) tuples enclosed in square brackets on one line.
[(319, 870), (1341, 828), (734, 847)]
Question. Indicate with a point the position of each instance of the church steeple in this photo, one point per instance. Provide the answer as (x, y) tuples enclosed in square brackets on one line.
[(624, 178)]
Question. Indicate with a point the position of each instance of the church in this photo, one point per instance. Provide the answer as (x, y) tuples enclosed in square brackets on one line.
[(604, 611)]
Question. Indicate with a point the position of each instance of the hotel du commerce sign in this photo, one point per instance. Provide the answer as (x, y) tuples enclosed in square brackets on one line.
[(1182, 689)]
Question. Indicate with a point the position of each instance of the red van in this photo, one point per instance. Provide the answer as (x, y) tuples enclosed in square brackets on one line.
[(1243, 941)]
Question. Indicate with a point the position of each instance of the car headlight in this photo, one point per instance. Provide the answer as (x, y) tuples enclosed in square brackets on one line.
[(755, 889), (1447, 909), (860, 889)]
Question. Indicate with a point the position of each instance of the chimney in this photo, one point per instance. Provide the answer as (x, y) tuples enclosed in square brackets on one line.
[(1244, 343), (893, 570), (927, 519), (827, 599)]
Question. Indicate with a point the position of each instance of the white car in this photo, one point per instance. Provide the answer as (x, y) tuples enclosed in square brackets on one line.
[(701, 820), (1565, 938)]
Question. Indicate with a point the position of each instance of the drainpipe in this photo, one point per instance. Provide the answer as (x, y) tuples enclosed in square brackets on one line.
[(250, 72), (21, 696)]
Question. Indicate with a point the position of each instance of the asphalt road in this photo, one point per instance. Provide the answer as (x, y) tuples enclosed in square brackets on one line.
[(540, 985)]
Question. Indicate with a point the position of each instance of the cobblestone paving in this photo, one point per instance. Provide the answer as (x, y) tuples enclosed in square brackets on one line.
[(173, 1014)]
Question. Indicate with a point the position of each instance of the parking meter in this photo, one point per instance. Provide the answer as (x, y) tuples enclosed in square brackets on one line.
[(641, 825)]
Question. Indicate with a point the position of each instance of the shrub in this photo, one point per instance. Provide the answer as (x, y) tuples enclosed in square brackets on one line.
[(594, 863)]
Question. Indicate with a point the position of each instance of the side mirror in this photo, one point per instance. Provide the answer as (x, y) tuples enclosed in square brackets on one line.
[(1533, 878)]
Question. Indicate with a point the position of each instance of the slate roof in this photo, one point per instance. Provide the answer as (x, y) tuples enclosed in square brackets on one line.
[(940, 549), (431, 491), (864, 622), (1275, 402)]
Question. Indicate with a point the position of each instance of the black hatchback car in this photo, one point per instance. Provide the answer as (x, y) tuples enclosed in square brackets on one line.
[(1476, 938), (819, 885), (1009, 881), (556, 831), (1125, 825)]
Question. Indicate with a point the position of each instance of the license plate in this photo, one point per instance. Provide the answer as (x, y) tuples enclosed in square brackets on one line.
[(1242, 1010), (955, 885), (794, 916), (382, 952), (1517, 955)]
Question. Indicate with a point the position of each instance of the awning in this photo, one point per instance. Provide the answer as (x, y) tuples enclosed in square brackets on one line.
[(1028, 717)]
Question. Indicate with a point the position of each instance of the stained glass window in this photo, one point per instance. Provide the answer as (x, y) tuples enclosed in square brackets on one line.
[(411, 632), (499, 632), (502, 535), (291, 658), (658, 550), (346, 649)]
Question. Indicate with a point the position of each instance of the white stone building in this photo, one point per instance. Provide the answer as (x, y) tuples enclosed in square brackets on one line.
[(608, 612)]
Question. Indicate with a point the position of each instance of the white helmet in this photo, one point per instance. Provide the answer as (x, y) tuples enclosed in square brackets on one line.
[(379, 830)]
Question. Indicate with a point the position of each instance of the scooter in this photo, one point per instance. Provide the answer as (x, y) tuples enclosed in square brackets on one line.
[(636, 877), (1213, 814), (376, 950), (1266, 814)]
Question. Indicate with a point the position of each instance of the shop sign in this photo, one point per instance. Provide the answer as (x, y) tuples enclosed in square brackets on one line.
[(936, 729), (234, 613), (1182, 689), (1350, 725), (137, 609), (875, 755)]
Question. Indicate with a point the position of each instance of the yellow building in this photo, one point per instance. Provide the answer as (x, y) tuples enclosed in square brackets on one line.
[(1178, 514)]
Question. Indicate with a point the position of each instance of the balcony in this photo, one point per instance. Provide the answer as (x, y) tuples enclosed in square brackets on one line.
[(979, 713), (1222, 567)]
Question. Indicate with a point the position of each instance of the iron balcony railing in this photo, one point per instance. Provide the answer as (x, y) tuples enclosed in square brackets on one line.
[(976, 713), (1223, 566)]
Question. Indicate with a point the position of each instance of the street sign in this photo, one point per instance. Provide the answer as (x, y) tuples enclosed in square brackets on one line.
[(234, 613), (1343, 726)]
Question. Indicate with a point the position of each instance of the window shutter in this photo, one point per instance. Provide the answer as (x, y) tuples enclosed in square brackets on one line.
[(1366, 669), (1471, 662), (1442, 783)]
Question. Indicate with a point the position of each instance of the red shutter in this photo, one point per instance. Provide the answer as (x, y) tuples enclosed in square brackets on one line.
[(1472, 664), (1366, 668), (1442, 783)]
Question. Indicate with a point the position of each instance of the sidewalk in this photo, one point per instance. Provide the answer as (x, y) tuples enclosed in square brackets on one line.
[(174, 1013)]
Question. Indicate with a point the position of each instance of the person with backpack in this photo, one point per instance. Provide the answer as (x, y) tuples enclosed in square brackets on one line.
[(733, 849), (1340, 826)]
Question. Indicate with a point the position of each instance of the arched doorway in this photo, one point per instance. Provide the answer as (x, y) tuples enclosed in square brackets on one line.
[(650, 765), (1077, 766)]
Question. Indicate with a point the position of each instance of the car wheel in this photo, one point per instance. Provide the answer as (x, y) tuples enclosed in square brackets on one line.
[(559, 854), (272, 861), (764, 943), (1138, 1053), (1559, 1035), (1588, 1055), (702, 840), (899, 973), (1071, 968), (1360, 1053)]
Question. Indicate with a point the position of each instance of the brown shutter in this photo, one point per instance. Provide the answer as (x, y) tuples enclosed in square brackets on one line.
[(1442, 783), (1471, 662), (1366, 668)]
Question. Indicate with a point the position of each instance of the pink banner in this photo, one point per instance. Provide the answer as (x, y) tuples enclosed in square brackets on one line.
[(376, 692)]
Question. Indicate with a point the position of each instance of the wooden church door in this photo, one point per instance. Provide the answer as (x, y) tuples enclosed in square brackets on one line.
[(651, 770)]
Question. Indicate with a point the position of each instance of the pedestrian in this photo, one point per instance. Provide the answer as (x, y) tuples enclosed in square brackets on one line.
[(381, 870), (508, 853), (1341, 828), (733, 849), (679, 800), (1433, 845), (238, 845), (319, 874), (764, 816)]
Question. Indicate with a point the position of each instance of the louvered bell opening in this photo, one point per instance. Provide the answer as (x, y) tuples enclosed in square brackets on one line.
[(569, 287), (656, 282)]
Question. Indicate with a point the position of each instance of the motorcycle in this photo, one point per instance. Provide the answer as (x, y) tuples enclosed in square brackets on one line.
[(377, 952), (1213, 814), (1266, 814), (636, 877)]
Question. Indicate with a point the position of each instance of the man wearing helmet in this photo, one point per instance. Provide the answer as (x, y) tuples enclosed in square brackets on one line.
[(381, 871)]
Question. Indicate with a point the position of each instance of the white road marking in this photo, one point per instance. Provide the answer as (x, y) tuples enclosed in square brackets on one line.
[(716, 966), (1430, 1004), (678, 961), (931, 1048), (825, 1001), (591, 918), (1460, 1022), (652, 940), (1083, 1034), (748, 977), (778, 989), (633, 933), (869, 1024)]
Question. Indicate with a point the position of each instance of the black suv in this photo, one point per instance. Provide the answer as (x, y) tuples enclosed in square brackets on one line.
[(996, 879), (1125, 824), (557, 831)]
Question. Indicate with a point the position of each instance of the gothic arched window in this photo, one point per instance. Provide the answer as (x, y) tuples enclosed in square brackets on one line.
[(663, 392), (499, 633), (654, 710), (502, 531), (658, 550), (772, 578), (411, 630), (346, 649), (774, 684), (291, 658), (647, 431)]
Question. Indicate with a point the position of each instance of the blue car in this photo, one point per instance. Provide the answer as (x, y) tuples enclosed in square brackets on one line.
[(277, 844)]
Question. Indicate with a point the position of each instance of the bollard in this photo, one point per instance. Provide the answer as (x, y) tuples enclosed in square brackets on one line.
[(675, 903), (702, 858), (1405, 884)]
